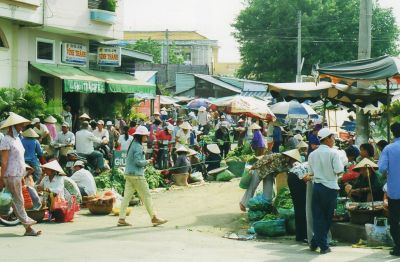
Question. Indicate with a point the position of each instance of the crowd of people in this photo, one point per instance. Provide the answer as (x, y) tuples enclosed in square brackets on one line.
[(320, 166)]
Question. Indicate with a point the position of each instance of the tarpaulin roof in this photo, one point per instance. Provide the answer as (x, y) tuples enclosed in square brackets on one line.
[(344, 94), (364, 69)]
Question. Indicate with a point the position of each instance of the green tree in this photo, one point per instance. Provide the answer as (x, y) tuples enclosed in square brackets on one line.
[(267, 34), (154, 47)]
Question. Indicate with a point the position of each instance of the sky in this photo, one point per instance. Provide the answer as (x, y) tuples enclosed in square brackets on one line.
[(212, 18)]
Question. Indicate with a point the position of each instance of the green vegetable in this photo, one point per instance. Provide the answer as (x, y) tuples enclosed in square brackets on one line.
[(283, 199), (154, 177), (103, 181), (271, 217)]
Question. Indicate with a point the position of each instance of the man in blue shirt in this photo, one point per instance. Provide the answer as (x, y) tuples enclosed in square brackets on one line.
[(389, 164)]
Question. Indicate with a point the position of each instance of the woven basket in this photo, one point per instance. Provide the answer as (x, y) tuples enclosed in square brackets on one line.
[(361, 217), (37, 215), (100, 206)]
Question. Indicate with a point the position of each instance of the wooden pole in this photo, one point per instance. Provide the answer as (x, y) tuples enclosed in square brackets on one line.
[(388, 102)]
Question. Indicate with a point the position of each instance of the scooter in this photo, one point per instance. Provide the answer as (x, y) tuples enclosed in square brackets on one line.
[(9, 218)]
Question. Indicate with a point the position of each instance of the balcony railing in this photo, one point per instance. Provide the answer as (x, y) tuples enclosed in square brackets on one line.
[(98, 14)]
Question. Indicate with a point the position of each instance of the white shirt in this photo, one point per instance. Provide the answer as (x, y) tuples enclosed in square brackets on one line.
[(101, 134), (42, 130), (202, 118), (182, 138), (84, 141), (67, 138), (124, 143), (84, 179), (55, 186), (325, 164), (67, 117)]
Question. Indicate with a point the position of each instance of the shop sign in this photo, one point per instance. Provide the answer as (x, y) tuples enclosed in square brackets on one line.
[(83, 86), (74, 54), (109, 56), (119, 158)]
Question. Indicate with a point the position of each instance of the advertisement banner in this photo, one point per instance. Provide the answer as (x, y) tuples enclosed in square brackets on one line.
[(109, 56), (74, 54), (119, 158)]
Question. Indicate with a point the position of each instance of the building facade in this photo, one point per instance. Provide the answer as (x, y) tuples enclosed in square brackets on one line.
[(52, 34)]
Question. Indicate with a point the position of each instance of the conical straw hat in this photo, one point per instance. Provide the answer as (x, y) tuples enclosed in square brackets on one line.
[(299, 137), (84, 115), (365, 163), (202, 109), (50, 119), (255, 126), (30, 133), (182, 149), (213, 148), (302, 144), (13, 120), (54, 165), (186, 125), (192, 152), (294, 153)]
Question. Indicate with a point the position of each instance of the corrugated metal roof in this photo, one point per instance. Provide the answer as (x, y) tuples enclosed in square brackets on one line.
[(255, 93), (218, 82), (146, 76), (184, 82)]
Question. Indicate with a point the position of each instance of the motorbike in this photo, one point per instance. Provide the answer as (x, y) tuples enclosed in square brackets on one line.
[(72, 157), (8, 218)]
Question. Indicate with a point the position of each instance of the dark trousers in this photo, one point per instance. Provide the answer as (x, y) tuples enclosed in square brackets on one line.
[(224, 149), (298, 190), (275, 147), (394, 220), (323, 207)]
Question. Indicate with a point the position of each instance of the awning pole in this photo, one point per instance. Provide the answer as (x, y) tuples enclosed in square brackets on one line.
[(324, 112), (388, 102)]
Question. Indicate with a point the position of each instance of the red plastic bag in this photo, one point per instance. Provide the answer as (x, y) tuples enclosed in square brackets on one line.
[(28, 204), (350, 175), (57, 203)]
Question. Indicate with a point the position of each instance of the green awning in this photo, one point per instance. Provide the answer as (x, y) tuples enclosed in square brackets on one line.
[(122, 83), (74, 80)]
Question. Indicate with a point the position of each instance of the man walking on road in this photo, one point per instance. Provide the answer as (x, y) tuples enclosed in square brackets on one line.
[(389, 164), (325, 165)]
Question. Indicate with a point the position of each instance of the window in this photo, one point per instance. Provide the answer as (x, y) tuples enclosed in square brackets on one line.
[(45, 50), (3, 40)]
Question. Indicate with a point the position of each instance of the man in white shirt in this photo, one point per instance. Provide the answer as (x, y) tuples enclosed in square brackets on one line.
[(101, 132), (84, 179), (84, 146), (325, 166), (41, 130), (66, 138), (66, 114)]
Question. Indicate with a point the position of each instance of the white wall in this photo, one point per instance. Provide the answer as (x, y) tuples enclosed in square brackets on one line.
[(74, 15), (22, 12), (5, 54)]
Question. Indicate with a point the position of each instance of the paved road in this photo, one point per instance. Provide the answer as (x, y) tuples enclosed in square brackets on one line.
[(198, 219)]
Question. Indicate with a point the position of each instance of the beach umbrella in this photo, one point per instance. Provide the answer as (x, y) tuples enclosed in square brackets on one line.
[(293, 109), (197, 103)]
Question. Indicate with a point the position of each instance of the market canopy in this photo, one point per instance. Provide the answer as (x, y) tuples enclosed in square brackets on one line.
[(167, 100), (74, 80), (122, 83), (378, 68), (293, 109), (347, 95), (244, 105)]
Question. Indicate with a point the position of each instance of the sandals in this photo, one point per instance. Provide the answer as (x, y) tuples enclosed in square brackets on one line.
[(158, 221), (33, 233), (123, 224)]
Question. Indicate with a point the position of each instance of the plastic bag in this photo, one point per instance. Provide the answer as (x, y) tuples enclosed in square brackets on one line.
[(286, 212), (270, 228), (5, 201), (246, 179), (196, 177), (256, 215), (378, 235), (225, 176), (260, 203)]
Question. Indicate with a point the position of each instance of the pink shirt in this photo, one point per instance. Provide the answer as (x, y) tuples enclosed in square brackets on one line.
[(52, 130), (16, 162)]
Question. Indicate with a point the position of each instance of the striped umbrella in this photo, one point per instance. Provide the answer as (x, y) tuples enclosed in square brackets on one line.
[(293, 109)]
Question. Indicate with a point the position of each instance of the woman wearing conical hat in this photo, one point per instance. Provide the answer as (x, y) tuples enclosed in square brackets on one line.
[(13, 168)]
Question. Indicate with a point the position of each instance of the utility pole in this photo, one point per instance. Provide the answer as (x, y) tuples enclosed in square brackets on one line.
[(364, 51), (299, 63), (167, 55)]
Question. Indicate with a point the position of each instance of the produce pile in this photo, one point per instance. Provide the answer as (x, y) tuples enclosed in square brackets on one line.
[(103, 181), (154, 177), (272, 220), (244, 153)]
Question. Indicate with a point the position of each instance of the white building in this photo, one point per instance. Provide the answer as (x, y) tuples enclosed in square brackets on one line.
[(38, 36)]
